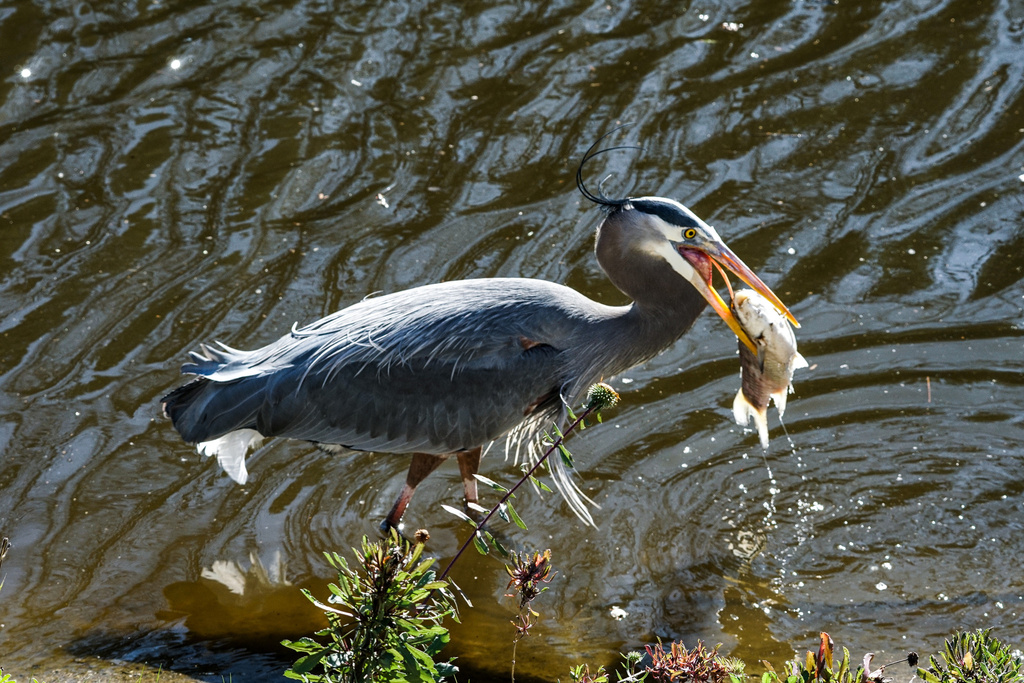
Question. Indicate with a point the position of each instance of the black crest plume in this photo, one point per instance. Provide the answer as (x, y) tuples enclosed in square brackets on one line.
[(600, 197)]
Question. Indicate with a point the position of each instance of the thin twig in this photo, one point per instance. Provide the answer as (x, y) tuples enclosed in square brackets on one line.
[(508, 494)]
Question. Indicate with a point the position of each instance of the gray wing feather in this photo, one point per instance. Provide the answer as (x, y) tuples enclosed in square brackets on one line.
[(435, 369)]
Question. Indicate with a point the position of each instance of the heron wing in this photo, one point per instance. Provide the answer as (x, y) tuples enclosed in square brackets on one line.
[(434, 369)]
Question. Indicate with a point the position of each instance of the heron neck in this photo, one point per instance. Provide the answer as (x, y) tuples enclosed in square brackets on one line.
[(651, 326), (629, 335)]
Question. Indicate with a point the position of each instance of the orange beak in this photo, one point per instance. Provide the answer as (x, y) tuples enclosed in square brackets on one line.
[(721, 256)]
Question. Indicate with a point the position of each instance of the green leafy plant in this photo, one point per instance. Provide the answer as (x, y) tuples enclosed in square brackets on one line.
[(820, 667), (384, 619), (581, 674), (817, 667), (677, 664), (6, 678), (698, 665), (632, 672), (973, 657), (527, 574)]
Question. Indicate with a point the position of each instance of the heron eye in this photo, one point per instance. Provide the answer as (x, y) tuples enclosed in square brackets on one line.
[(689, 233)]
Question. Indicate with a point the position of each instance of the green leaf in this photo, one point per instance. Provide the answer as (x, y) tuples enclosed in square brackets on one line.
[(503, 512), (494, 542), (305, 644), (844, 667), (446, 670), (515, 517), (434, 632), (477, 507), (541, 485), (459, 513), (461, 593), (480, 544), (324, 607), (927, 675), (490, 482), (566, 455), (304, 665), (423, 657)]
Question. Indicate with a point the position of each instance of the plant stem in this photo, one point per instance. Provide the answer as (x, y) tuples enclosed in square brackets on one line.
[(508, 494)]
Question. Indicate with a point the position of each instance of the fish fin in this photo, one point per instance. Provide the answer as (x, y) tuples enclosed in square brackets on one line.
[(231, 449), (743, 410), (780, 399), (795, 363)]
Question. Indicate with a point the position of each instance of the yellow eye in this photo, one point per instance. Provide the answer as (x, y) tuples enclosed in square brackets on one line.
[(689, 233)]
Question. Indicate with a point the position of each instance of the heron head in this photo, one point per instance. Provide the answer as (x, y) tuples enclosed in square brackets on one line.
[(694, 250), (655, 229)]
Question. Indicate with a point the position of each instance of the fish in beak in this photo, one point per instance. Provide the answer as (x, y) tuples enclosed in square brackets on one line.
[(710, 254), (767, 375)]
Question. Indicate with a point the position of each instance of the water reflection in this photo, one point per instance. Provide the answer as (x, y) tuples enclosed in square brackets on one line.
[(865, 158)]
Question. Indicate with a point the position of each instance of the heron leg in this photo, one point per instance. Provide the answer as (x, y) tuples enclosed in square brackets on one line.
[(469, 464), (421, 467)]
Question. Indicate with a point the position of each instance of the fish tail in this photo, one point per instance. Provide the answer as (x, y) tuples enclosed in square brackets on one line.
[(743, 410)]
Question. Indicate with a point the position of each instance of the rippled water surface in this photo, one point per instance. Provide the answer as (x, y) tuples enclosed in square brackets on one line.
[(177, 172)]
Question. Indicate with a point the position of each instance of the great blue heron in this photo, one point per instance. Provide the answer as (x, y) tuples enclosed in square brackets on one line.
[(446, 368)]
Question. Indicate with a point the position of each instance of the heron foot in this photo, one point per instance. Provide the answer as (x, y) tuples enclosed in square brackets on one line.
[(386, 526)]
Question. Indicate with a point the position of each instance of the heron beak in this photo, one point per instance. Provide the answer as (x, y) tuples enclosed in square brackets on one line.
[(721, 255)]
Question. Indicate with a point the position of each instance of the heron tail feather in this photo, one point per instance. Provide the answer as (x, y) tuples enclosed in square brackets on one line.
[(204, 410), (231, 450)]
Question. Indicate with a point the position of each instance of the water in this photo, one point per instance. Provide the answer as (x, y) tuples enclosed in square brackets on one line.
[(174, 172)]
